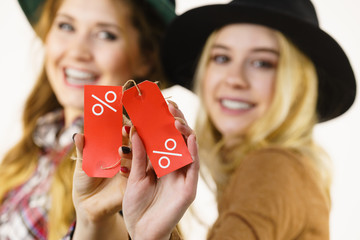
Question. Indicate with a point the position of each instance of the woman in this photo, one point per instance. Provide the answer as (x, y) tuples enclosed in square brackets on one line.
[(266, 74), (85, 42)]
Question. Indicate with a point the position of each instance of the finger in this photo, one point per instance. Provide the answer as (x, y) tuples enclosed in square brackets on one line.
[(139, 160), (79, 144), (126, 159), (173, 103), (126, 130), (126, 134), (132, 130), (174, 110), (81, 180), (183, 128), (193, 169)]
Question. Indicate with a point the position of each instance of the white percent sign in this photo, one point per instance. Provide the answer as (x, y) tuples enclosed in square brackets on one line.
[(167, 153), (104, 103)]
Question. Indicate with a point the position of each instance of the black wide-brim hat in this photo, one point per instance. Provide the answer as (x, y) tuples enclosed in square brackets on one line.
[(296, 19)]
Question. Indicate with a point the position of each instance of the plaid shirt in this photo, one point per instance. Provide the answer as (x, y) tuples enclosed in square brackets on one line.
[(70, 232), (24, 212)]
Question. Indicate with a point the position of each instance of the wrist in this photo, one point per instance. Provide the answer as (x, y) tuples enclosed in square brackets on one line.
[(112, 227), (148, 234), (147, 237)]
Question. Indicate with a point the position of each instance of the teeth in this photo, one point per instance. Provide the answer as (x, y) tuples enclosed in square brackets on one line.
[(235, 105), (80, 75), (76, 81)]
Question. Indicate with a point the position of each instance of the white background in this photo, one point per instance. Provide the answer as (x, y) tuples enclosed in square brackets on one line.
[(340, 137)]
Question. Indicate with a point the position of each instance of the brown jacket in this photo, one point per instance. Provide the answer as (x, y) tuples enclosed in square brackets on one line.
[(273, 195)]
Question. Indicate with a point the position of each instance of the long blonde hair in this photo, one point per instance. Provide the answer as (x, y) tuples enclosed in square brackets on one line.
[(20, 162), (288, 123)]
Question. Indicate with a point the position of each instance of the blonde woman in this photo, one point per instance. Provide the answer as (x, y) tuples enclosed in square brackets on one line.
[(266, 74), (85, 42)]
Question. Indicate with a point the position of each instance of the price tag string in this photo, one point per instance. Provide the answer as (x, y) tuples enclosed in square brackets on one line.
[(133, 82), (111, 167)]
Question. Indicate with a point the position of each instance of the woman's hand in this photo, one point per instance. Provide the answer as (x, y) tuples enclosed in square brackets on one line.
[(97, 201), (152, 207)]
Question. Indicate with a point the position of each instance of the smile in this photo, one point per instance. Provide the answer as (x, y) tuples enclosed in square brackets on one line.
[(78, 77), (235, 104)]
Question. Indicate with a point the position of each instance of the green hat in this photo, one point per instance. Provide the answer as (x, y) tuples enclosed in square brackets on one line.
[(165, 9), (31, 8)]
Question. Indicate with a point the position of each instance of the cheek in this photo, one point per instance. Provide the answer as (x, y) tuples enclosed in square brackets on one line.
[(50, 65), (211, 81), (54, 46), (208, 86), (54, 50), (269, 89), (266, 92)]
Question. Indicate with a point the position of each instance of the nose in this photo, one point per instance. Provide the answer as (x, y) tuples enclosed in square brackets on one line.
[(81, 49), (236, 77)]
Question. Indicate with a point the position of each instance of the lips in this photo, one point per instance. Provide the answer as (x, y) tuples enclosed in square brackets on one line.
[(79, 77), (235, 105)]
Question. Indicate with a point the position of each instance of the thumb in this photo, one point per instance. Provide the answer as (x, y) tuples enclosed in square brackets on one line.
[(81, 181), (139, 160), (79, 144)]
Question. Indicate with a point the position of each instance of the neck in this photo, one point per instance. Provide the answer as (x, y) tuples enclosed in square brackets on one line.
[(71, 114)]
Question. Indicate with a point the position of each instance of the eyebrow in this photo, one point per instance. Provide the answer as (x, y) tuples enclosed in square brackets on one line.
[(64, 15), (100, 24), (270, 50), (260, 49)]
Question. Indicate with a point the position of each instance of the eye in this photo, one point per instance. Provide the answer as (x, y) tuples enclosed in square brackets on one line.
[(220, 59), (107, 35), (66, 27), (263, 64)]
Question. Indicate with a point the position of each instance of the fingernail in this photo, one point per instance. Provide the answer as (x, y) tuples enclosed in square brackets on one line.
[(132, 131), (174, 104), (125, 149), (73, 137), (124, 170), (127, 129), (182, 121)]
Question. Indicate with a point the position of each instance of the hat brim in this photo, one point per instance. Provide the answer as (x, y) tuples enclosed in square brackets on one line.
[(164, 8), (31, 9), (188, 33)]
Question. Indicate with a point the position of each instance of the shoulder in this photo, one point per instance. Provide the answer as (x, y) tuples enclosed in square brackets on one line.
[(274, 154), (273, 191), (273, 173), (273, 161)]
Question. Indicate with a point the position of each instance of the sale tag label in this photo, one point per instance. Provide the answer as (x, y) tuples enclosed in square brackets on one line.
[(149, 113), (102, 130)]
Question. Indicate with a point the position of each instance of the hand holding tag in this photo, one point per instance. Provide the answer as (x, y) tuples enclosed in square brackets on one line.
[(150, 115)]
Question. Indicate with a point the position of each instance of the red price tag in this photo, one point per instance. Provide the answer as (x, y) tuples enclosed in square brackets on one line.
[(148, 111), (102, 130)]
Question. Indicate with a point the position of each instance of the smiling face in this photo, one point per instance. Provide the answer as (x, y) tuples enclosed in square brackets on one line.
[(90, 42), (239, 80)]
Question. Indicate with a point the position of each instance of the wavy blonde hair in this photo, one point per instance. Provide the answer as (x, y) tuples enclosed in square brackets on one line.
[(288, 123), (20, 162)]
